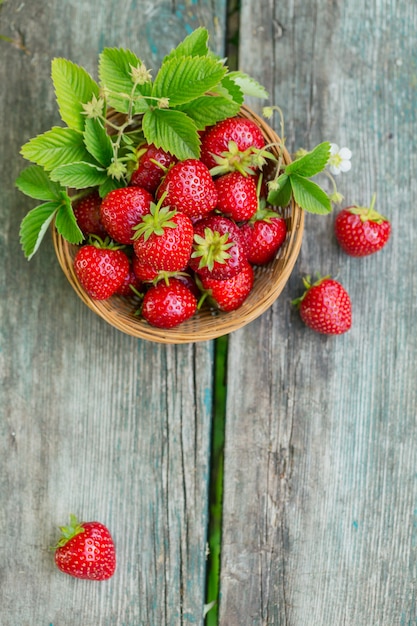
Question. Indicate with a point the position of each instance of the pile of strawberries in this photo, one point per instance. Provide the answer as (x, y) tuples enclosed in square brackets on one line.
[(183, 232)]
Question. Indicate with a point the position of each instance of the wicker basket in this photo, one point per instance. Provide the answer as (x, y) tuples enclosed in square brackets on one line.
[(205, 324)]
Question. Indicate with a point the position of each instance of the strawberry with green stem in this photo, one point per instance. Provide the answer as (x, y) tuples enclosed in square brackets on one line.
[(101, 267), (218, 251), (86, 550), (361, 231), (163, 238), (325, 306), (228, 294), (152, 165), (168, 303)]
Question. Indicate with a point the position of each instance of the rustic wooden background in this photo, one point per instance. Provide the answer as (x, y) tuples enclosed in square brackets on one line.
[(320, 501)]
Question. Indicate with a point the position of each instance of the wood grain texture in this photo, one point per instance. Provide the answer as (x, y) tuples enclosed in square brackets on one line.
[(92, 421), (320, 512)]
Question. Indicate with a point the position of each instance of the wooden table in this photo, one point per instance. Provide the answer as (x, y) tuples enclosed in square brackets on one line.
[(319, 505)]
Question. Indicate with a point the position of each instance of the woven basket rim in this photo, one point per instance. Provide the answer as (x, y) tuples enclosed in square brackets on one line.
[(207, 324)]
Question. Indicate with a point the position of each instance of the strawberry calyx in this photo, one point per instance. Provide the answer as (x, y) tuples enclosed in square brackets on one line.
[(104, 244), (155, 222), (73, 529), (212, 248), (308, 285), (245, 161), (367, 214)]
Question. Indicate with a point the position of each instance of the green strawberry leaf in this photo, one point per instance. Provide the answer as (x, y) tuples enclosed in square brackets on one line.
[(55, 147), (229, 89), (174, 131), (73, 88), (79, 175), (65, 221), (248, 85), (108, 185), (115, 72), (194, 45), (98, 142), (282, 195), (34, 226), (309, 196), (311, 163), (207, 110), (35, 183), (185, 78)]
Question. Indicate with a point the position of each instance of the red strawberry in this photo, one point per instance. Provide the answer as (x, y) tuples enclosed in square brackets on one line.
[(122, 209), (164, 238), (263, 236), (230, 294), (233, 144), (325, 306), (189, 188), (152, 165), (143, 271), (168, 303), (87, 214), (86, 550), (101, 270), (361, 231), (130, 281), (236, 196), (218, 249)]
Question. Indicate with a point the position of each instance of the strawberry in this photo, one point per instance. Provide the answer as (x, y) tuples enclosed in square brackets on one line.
[(86, 550), (361, 231), (168, 303), (233, 144), (229, 294), (122, 209), (263, 235), (143, 271), (236, 196), (130, 285), (164, 238), (189, 188), (101, 269), (325, 306), (153, 163), (218, 251), (87, 214)]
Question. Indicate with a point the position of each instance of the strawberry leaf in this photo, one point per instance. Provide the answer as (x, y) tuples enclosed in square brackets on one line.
[(115, 72), (248, 85), (172, 130), (79, 175), (185, 78), (282, 195), (34, 226), (311, 163), (207, 110), (73, 88), (98, 142), (65, 222), (55, 147), (35, 183), (229, 89), (195, 44), (309, 196)]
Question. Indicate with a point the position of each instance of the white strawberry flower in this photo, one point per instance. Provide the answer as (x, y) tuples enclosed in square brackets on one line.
[(339, 160)]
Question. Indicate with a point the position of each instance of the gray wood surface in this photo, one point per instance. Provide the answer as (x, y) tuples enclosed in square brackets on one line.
[(320, 461), (320, 503), (93, 422)]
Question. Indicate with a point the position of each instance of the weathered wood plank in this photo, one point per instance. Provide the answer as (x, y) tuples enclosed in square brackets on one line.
[(320, 461), (93, 421)]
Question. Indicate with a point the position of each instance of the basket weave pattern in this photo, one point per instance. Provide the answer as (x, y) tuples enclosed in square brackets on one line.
[(207, 323)]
